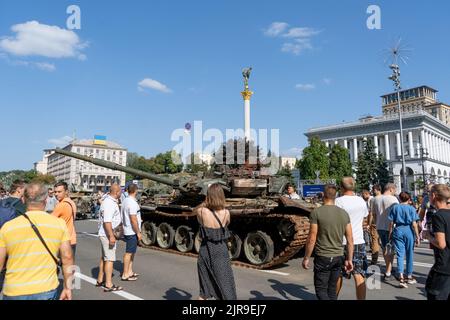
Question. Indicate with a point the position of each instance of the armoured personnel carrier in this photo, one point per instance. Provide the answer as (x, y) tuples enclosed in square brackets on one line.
[(267, 228)]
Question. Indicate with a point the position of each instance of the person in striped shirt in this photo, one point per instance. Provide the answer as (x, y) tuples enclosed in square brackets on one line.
[(31, 271)]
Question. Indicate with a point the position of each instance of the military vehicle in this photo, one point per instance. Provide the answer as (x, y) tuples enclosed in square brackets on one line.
[(267, 228)]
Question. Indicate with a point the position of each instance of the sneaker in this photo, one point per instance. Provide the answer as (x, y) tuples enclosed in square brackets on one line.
[(403, 283), (411, 280), (388, 277)]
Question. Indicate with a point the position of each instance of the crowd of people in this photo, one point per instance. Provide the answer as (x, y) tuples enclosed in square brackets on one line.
[(393, 222), (38, 239)]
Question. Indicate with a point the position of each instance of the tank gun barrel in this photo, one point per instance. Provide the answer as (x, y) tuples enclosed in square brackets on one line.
[(117, 167)]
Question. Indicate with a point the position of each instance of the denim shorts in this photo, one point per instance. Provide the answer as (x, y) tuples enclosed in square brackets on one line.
[(360, 263), (384, 238), (50, 295), (132, 243)]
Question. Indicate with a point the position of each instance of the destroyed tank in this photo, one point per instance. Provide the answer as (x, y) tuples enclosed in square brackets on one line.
[(267, 229)]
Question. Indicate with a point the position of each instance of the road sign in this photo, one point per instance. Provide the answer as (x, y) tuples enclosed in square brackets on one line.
[(312, 190)]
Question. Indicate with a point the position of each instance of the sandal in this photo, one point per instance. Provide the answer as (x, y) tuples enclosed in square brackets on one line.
[(130, 278), (403, 283), (100, 284), (113, 288), (135, 275)]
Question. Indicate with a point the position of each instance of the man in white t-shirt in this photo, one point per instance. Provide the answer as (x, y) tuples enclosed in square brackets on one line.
[(381, 206), (356, 208), (110, 218), (131, 214), (291, 194)]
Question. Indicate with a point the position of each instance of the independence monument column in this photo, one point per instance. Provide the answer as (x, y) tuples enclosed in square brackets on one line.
[(246, 94)]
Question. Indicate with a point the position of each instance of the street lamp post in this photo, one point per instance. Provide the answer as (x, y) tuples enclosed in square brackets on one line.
[(423, 153), (395, 77)]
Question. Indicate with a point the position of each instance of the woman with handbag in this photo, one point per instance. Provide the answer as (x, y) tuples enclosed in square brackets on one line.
[(404, 232)]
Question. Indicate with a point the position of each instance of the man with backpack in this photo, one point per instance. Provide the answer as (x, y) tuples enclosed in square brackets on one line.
[(13, 206)]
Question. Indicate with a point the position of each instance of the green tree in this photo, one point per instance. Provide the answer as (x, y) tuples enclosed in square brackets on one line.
[(382, 175), (44, 179), (196, 165), (286, 171), (366, 166), (371, 168), (164, 163), (315, 157), (340, 164)]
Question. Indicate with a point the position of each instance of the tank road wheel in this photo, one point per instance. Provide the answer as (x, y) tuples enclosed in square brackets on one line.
[(149, 233), (286, 230), (258, 248), (184, 239), (234, 246), (197, 242), (165, 235)]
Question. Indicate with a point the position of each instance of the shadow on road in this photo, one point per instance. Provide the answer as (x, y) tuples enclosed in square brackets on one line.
[(291, 289), (177, 294), (117, 266), (259, 296)]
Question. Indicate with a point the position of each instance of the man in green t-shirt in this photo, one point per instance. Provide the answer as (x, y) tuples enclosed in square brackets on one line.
[(329, 225)]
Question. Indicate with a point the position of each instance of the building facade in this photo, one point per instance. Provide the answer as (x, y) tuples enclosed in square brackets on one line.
[(42, 166), (86, 176), (426, 135)]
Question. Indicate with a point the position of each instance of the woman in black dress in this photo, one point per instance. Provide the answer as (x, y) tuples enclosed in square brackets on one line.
[(214, 267)]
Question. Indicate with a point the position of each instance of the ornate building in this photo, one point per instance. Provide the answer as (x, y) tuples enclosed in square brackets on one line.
[(426, 133), (86, 176)]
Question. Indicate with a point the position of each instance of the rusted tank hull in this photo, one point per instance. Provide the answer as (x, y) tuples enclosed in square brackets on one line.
[(263, 236)]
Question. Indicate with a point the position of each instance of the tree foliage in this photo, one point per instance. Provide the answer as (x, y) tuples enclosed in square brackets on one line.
[(168, 162), (315, 158), (371, 168), (196, 165), (340, 164)]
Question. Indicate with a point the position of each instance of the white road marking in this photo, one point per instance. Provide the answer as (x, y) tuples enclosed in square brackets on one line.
[(123, 294), (418, 264), (275, 272)]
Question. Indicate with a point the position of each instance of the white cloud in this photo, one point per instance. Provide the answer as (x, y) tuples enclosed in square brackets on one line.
[(35, 39), (327, 81), (297, 47), (301, 33), (305, 87), (45, 66), (275, 29), (60, 142), (299, 38), (293, 152), (148, 83)]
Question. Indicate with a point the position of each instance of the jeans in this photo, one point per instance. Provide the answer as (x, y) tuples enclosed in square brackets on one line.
[(50, 295), (403, 238), (326, 274)]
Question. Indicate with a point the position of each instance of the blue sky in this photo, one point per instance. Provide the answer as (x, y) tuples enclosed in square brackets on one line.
[(194, 51)]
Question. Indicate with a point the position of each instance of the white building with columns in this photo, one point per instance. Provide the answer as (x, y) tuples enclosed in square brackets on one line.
[(87, 176), (425, 128)]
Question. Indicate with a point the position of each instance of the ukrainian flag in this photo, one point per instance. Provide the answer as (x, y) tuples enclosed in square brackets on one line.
[(100, 140)]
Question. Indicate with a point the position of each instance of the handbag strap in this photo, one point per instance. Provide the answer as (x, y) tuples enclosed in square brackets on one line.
[(36, 230)]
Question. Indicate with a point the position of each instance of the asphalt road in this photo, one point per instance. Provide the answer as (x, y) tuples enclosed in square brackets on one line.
[(165, 276), (173, 277)]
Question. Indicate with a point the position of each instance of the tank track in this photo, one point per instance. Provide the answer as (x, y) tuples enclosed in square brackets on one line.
[(291, 248)]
